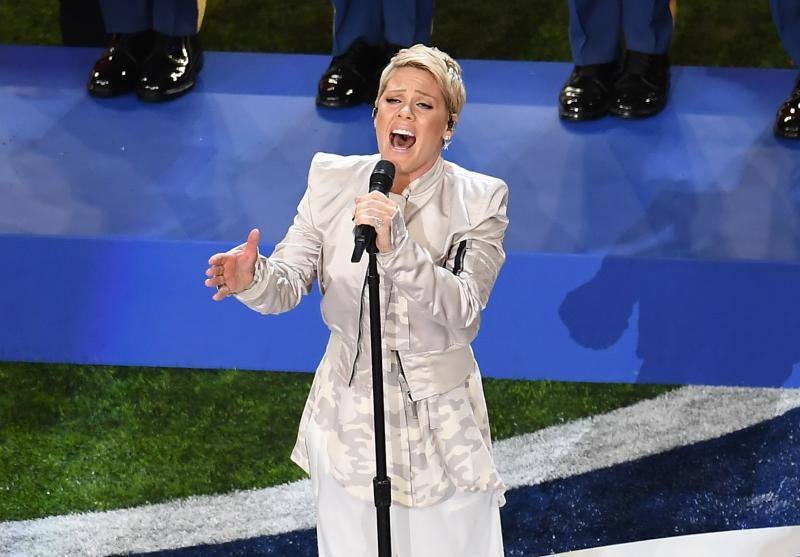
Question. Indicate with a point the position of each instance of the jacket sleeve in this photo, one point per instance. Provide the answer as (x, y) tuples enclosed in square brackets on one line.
[(454, 294), (283, 278)]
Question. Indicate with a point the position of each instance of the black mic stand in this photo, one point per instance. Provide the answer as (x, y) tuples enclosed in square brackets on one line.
[(382, 485), (365, 238)]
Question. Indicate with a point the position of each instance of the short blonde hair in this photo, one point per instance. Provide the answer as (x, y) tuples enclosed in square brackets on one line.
[(444, 69)]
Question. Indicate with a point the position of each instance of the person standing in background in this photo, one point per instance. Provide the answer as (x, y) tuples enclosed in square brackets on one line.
[(153, 50), (786, 14), (633, 83), (81, 23), (366, 34)]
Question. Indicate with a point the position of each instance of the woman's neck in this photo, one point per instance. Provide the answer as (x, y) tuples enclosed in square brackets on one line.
[(403, 180), (400, 183)]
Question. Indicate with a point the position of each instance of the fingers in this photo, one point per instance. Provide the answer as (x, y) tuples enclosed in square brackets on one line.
[(373, 220), (252, 240), (376, 205), (252, 244), (379, 216), (214, 270), (376, 199), (372, 208), (376, 195), (215, 281), (218, 259), (221, 294), (376, 210)]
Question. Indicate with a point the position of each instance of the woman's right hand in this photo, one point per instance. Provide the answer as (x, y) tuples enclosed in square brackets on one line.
[(233, 271)]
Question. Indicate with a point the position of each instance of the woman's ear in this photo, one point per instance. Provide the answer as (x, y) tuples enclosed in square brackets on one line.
[(451, 122), (448, 134)]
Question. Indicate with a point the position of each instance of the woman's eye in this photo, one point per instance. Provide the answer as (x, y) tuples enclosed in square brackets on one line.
[(392, 100), (424, 105)]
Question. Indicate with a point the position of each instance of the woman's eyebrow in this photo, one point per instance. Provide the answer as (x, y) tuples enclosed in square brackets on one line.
[(403, 89)]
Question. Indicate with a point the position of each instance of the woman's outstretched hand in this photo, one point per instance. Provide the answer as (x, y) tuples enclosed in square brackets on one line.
[(232, 271)]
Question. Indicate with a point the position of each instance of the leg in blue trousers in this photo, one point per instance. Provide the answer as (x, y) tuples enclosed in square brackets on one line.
[(630, 82), (153, 50), (786, 14), (366, 33)]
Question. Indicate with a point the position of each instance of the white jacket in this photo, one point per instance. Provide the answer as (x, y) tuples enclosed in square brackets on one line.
[(447, 253)]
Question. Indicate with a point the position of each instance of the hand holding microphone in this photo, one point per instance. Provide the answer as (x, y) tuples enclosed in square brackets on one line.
[(374, 212)]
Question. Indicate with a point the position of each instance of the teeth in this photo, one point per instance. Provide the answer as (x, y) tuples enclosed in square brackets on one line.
[(403, 132)]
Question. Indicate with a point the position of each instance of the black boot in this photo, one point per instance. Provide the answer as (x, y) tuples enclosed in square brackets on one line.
[(352, 78), (117, 70), (787, 121), (587, 93), (643, 86), (171, 69)]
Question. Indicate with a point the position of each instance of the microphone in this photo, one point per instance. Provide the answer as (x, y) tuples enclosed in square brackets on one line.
[(380, 180)]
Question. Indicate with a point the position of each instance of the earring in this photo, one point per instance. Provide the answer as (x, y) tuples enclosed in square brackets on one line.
[(446, 140)]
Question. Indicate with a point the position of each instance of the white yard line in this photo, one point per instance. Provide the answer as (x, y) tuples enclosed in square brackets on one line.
[(678, 418), (681, 417)]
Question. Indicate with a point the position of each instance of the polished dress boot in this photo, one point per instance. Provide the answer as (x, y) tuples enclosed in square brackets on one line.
[(642, 87), (171, 69), (787, 121), (587, 93), (352, 78), (117, 70)]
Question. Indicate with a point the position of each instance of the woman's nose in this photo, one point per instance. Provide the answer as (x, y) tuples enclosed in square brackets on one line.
[(405, 111)]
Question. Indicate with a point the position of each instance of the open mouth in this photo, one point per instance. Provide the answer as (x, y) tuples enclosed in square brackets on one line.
[(402, 139)]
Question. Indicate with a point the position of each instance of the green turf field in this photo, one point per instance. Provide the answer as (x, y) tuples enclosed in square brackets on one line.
[(78, 438), (710, 33)]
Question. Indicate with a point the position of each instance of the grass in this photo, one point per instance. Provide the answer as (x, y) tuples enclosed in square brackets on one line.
[(75, 438), (708, 33), (517, 407), (80, 438)]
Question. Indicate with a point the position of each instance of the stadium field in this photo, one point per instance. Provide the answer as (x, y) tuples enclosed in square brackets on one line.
[(195, 462), (77, 439)]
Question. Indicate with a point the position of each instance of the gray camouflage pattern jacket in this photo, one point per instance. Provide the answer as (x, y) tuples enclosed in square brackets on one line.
[(447, 253)]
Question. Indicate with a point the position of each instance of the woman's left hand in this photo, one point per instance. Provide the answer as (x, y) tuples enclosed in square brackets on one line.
[(377, 210)]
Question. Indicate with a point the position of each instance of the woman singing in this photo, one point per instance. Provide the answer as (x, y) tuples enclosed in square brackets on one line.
[(440, 240)]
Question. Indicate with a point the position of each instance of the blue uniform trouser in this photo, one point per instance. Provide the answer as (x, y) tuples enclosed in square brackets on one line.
[(400, 22), (596, 26), (786, 14), (171, 17)]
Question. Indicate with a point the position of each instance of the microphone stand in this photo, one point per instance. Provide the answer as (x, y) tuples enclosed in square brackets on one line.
[(381, 484), (380, 180)]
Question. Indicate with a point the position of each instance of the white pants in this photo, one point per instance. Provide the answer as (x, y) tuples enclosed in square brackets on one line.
[(467, 524)]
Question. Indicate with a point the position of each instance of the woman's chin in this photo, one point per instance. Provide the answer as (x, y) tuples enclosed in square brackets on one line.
[(400, 160)]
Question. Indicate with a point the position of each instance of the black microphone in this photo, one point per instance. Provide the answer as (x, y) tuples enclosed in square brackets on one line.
[(380, 180)]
